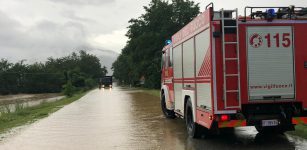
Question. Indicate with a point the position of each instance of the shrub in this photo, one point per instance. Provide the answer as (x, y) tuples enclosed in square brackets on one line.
[(69, 89), (90, 83)]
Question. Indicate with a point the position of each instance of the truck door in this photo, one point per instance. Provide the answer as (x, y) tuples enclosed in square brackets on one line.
[(270, 63)]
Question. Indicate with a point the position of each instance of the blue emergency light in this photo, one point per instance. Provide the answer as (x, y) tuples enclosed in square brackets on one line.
[(271, 14), (167, 42)]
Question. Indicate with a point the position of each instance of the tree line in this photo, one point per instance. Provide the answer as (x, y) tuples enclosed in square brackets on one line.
[(141, 56), (77, 70)]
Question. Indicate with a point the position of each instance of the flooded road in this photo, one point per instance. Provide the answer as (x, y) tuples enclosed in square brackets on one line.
[(128, 119)]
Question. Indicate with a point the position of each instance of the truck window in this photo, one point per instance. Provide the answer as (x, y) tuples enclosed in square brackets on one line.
[(163, 60), (170, 57)]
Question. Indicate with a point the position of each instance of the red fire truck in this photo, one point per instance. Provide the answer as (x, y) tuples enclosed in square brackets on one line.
[(223, 70)]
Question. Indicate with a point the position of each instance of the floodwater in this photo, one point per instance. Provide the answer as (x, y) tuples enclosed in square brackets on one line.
[(128, 119)]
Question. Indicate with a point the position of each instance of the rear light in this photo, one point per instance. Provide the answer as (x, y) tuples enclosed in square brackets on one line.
[(224, 118)]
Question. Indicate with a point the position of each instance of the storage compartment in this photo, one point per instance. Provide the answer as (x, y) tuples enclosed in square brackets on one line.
[(270, 63)]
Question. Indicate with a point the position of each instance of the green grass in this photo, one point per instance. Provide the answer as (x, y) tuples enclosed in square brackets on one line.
[(23, 116), (300, 130)]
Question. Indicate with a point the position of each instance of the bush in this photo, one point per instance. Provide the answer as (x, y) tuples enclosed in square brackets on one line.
[(90, 83), (69, 89)]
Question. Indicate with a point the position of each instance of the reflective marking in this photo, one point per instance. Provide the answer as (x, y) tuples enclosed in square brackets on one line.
[(299, 120)]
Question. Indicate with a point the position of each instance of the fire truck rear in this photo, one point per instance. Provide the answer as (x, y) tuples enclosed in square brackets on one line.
[(223, 70)]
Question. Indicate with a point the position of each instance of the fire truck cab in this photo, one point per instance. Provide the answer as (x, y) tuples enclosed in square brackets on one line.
[(223, 70)]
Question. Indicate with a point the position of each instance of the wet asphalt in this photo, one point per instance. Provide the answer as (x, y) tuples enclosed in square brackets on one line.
[(123, 118)]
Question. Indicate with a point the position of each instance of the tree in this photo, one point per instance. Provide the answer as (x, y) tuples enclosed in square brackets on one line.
[(81, 70), (142, 54), (4, 65)]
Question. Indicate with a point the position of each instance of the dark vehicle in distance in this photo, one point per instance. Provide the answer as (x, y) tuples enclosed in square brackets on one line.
[(105, 82)]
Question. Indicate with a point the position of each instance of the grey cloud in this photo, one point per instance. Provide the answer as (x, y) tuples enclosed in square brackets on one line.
[(72, 15), (107, 58), (44, 39), (83, 2), (57, 35), (6, 22), (10, 31), (35, 30)]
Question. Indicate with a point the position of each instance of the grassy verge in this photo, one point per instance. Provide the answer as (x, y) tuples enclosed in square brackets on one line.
[(300, 130), (28, 115)]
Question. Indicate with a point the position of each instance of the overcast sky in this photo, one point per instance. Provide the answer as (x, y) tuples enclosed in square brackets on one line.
[(37, 29)]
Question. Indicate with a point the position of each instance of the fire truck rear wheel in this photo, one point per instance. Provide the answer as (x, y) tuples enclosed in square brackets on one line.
[(167, 113), (194, 129)]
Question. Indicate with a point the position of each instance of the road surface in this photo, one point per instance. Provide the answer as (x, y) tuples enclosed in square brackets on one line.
[(128, 119)]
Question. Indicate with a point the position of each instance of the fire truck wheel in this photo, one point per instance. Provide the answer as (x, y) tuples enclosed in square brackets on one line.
[(194, 129), (167, 113)]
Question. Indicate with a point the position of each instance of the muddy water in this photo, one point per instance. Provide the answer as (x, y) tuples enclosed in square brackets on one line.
[(125, 119)]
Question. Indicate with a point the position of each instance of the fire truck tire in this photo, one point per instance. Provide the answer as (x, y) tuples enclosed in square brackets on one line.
[(194, 129), (167, 113)]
